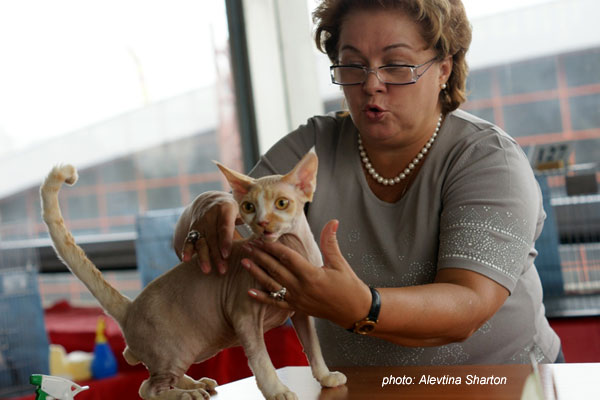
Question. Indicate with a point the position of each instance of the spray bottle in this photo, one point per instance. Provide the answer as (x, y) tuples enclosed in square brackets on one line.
[(55, 388)]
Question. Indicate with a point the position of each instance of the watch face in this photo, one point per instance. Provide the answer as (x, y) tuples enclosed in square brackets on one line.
[(364, 327)]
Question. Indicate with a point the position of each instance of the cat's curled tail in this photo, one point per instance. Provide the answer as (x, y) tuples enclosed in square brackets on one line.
[(113, 302)]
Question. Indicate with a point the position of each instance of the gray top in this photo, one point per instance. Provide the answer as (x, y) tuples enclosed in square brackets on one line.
[(475, 204)]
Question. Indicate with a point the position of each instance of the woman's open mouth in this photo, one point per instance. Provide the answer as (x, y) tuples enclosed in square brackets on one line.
[(374, 112)]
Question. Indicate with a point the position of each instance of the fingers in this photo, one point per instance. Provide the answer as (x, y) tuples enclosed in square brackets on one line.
[(203, 255), (187, 252), (332, 256), (219, 246), (264, 297), (196, 243), (264, 279), (226, 223), (270, 285), (217, 230), (214, 253), (277, 260)]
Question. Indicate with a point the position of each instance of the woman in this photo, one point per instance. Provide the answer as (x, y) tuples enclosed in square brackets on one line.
[(439, 210)]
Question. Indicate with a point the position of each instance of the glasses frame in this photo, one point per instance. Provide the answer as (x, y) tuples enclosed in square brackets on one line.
[(367, 71)]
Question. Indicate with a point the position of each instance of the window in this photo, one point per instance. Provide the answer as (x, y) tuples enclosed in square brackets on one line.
[(137, 95)]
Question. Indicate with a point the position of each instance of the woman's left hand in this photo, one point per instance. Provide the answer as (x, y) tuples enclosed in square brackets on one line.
[(332, 291)]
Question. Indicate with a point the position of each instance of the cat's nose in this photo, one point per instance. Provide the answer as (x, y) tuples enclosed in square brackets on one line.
[(263, 223)]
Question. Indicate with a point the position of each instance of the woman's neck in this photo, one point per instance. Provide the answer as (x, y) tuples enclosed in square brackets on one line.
[(402, 162)]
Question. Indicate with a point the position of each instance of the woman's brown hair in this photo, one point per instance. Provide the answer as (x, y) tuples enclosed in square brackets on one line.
[(444, 27)]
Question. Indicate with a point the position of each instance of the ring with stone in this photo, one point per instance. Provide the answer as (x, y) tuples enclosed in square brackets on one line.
[(279, 295), (193, 236)]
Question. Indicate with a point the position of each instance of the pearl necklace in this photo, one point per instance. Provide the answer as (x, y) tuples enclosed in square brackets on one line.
[(411, 166)]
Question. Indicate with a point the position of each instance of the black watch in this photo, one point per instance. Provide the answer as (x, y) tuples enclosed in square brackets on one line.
[(367, 324)]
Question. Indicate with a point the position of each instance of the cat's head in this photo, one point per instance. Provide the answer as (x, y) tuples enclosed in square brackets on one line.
[(271, 205)]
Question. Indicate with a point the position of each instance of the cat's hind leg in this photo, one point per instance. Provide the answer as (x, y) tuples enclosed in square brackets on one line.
[(250, 332), (130, 357), (305, 329)]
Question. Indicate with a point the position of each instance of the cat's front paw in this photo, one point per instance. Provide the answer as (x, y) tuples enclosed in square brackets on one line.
[(208, 384), (333, 379), (198, 394), (284, 396), (188, 383)]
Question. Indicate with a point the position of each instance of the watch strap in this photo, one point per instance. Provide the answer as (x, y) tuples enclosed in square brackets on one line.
[(368, 323)]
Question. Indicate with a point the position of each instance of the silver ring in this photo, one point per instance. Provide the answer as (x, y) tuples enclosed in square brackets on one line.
[(279, 295), (193, 236)]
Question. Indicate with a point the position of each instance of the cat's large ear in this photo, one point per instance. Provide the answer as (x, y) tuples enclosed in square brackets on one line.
[(304, 174), (240, 183)]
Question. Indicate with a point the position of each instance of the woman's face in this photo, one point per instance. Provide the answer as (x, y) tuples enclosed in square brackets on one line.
[(390, 114)]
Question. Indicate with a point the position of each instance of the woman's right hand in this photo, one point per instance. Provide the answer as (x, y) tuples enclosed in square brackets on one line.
[(214, 216)]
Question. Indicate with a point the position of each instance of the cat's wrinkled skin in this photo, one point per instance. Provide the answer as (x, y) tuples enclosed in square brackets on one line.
[(184, 316)]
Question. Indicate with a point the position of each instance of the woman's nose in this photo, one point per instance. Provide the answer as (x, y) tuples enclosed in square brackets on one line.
[(372, 83)]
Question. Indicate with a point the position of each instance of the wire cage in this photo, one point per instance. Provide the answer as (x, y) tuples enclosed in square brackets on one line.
[(569, 247), (23, 340)]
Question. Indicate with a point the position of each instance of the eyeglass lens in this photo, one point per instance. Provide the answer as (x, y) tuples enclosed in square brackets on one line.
[(392, 74)]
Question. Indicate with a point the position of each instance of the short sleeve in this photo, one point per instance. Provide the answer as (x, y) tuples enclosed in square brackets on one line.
[(490, 212)]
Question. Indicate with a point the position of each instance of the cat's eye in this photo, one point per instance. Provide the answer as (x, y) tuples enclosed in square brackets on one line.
[(282, 203), (247, 207)]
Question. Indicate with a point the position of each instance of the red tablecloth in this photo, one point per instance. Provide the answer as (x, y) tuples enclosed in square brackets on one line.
[(75, 329)]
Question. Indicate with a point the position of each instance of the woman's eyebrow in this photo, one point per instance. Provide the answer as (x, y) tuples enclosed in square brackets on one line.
[(394, 46), (350, 48)]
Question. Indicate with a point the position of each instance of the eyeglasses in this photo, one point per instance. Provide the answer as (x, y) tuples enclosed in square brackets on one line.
[(392, 74)]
